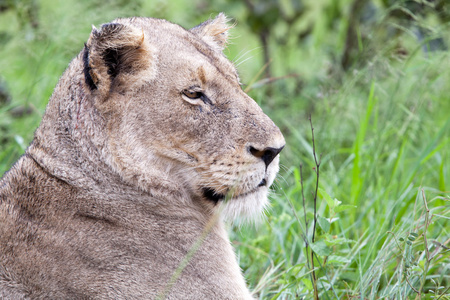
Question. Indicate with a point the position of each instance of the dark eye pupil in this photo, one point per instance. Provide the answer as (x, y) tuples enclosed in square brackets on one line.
[(192, 94)]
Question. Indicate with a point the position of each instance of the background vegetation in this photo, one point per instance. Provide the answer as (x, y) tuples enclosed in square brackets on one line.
[(374, 75)]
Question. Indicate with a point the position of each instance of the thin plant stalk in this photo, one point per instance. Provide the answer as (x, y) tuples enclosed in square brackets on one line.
[(317, 162)]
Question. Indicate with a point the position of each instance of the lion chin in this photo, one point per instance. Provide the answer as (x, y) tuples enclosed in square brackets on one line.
[(247, 207)]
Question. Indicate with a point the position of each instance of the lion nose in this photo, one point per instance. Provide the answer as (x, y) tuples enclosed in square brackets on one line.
[(267, 155)]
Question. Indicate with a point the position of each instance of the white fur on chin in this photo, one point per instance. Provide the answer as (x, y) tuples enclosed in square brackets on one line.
[(249, 207)]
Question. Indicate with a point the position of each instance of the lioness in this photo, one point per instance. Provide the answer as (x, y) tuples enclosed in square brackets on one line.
[(147, 137)]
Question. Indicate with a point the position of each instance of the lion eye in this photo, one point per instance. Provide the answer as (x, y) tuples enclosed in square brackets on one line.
[(191, 94), (194, 96)]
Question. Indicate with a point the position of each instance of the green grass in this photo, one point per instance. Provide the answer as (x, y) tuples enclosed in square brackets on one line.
[(382, 129), (385, 146)]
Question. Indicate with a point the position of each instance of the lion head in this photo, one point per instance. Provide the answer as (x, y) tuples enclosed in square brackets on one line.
[(164, 109)]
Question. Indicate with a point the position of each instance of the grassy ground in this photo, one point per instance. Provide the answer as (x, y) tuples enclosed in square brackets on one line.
[(381, 128)]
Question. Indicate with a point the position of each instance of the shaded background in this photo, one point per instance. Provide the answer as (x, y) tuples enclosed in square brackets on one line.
[(373, 74)]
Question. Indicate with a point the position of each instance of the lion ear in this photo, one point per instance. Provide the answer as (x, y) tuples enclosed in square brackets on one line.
[(112, 55), (214, 32)]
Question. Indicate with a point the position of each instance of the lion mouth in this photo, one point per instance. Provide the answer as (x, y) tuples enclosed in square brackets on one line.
[(262, 183), (214, 196)]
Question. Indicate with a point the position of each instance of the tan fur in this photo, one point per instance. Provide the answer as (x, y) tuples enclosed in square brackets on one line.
[(111, 195)]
